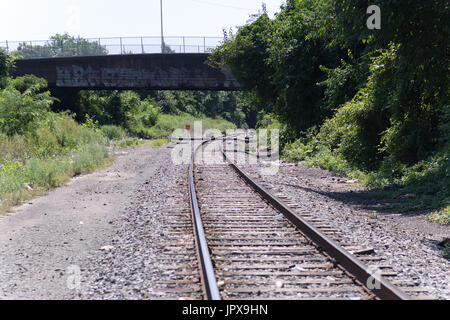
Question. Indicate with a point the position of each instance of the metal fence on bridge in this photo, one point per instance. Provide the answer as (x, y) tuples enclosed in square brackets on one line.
[(68, 47)]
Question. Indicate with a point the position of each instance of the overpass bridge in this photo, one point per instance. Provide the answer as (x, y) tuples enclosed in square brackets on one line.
[(182, 71), (83, 64)]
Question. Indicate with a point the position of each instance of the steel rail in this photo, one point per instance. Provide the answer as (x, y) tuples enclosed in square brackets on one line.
[(382, 288), (207, 270)]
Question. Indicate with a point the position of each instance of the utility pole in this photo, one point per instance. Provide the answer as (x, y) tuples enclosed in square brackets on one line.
[(162, 29)]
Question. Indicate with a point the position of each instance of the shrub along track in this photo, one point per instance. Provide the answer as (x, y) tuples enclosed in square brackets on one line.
[(255, 252)]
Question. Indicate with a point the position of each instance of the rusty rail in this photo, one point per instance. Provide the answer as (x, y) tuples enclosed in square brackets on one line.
[(383, 290), (208, 276), (386, 290)]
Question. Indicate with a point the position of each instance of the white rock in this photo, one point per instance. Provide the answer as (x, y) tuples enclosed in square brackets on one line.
[(107, 248)]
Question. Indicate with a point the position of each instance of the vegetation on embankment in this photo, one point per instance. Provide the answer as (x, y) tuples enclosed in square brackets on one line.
[(156, 114), (41, 149), (372, 104), (121, 113)]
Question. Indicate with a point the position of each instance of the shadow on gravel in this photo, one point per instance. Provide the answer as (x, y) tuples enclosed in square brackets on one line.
[(368, 200)]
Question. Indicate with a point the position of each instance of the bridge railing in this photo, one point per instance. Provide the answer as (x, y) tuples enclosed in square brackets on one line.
[(114, 45)]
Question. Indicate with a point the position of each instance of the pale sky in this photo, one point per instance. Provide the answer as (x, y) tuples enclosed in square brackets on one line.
[(40, 19)]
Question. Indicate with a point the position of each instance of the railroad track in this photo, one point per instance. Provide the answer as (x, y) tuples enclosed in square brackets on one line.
[(252, 246)]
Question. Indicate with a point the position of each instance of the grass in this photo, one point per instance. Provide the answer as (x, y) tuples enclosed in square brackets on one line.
[(127, 142), (58, 148), (168, 123), (40, 150), (158, 143), (46, 157), (425, 185), (446, 251), (35, 162), (441, 216), (20, 181), (113, 132)]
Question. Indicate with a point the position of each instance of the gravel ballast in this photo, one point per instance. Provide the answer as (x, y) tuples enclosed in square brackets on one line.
[(406, 242)]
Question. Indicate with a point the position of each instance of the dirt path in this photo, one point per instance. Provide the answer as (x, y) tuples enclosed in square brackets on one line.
[(43, 243)]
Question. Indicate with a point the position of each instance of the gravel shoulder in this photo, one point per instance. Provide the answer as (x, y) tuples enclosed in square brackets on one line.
[(46, 243), (342, 189), (152, 254)]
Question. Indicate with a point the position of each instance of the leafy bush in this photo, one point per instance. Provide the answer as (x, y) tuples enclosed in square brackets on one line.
[(61, 45), (158, 143), (441, 216), (5, 68), (36, 144), (22, 107), (299, 151), (70, 134), (125, 109), (59, 134), (12, 177), (113, 132), (167, 124), (46, 174), (129, 142), (18, 179), (428, 180), (40, 149), (378, 98), (14, 147), (89, 157), (315, 155), (354, 131)]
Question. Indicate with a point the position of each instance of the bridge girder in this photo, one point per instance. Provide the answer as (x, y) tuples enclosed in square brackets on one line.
[(128, 72)]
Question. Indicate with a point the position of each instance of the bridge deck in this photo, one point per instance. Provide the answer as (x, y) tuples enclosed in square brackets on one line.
[(134, 71)]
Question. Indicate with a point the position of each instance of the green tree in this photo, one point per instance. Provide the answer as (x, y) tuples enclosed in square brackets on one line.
[(410, 58), (23, 104), (226, 105), (61, 46), (5, 68), (120, 108), (279, 61), (317, 56)]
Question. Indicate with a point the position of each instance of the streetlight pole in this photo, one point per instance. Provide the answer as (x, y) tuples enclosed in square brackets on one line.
[(162, 29)]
